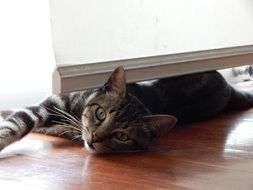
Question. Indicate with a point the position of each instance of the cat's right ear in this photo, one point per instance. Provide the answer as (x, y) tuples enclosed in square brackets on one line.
[(117, 82)]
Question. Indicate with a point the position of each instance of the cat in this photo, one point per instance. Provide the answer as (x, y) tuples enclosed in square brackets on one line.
[(120, 117)]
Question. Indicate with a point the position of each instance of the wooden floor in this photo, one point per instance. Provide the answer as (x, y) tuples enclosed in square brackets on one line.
[(215, 154)]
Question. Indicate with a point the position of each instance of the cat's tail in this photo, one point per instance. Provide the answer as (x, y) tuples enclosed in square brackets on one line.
[(240, 99)]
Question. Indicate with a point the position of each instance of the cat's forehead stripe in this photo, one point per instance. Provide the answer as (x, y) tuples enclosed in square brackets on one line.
[(90, 97)]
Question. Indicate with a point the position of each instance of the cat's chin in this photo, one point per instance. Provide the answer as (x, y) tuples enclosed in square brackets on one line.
[(92, 150)]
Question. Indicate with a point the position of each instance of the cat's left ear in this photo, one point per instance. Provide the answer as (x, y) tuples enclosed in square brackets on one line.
[(117, 81), (160, 124)]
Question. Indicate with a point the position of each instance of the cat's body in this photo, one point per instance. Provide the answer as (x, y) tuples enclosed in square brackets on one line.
[(119, 117), (191, 97)]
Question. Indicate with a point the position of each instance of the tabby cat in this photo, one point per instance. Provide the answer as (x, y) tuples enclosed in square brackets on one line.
[(118, 117)]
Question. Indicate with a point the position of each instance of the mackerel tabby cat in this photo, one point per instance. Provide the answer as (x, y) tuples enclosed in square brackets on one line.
[(120, 117)]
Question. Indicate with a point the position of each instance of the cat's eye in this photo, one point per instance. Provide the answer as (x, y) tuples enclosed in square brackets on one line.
[(100, 114), (121, 136)]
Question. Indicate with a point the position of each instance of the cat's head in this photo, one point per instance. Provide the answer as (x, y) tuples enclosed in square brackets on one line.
[(115, 121)]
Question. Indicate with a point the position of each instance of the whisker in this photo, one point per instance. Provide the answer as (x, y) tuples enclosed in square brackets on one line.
[(66, 120), (67, 125), (72, 137), (69, 121), (77, 137), (69, 115), (59, 114), (64, 132), (65, 115), (56, 112)]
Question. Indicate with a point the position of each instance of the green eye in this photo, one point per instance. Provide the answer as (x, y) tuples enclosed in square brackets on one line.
[(121, 136), (100, 114)]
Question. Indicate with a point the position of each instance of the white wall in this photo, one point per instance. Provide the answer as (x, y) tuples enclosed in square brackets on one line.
[(94, 30), (26, 53)]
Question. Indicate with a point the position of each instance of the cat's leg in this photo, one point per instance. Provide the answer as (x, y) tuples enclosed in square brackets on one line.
[(52, 116), (4, 114), (20, 123)]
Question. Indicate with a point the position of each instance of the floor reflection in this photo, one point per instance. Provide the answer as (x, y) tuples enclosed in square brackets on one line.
[(240, 137)]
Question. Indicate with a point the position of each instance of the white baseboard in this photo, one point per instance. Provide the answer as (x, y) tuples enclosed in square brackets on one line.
[(78, 77)]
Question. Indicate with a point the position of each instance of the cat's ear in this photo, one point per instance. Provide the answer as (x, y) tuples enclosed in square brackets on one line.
[(117, 82), (160, 124)]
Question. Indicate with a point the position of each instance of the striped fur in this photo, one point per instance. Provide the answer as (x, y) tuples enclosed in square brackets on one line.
[(49, 117)]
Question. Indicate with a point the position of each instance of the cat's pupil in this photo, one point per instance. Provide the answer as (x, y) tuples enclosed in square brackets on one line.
[(100, 114)]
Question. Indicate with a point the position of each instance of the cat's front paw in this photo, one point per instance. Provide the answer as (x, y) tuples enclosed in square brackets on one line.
[(7, 134), (3, 141), (1, 117), (2, 144)]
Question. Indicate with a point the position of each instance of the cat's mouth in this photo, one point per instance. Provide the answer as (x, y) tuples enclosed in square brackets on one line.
[(96, 147), (90, 147)]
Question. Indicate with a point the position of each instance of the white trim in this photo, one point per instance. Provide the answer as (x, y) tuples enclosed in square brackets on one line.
[(79, 77)]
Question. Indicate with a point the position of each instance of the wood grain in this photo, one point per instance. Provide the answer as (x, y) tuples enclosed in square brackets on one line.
[(215, 154)]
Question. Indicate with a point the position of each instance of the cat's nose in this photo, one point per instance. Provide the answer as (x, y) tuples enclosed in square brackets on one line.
[(94, 137)]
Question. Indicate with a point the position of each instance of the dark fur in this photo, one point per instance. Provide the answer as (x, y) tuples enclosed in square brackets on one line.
[(191, 97)]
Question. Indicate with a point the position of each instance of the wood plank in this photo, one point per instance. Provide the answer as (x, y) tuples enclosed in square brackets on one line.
[(215, 154)]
